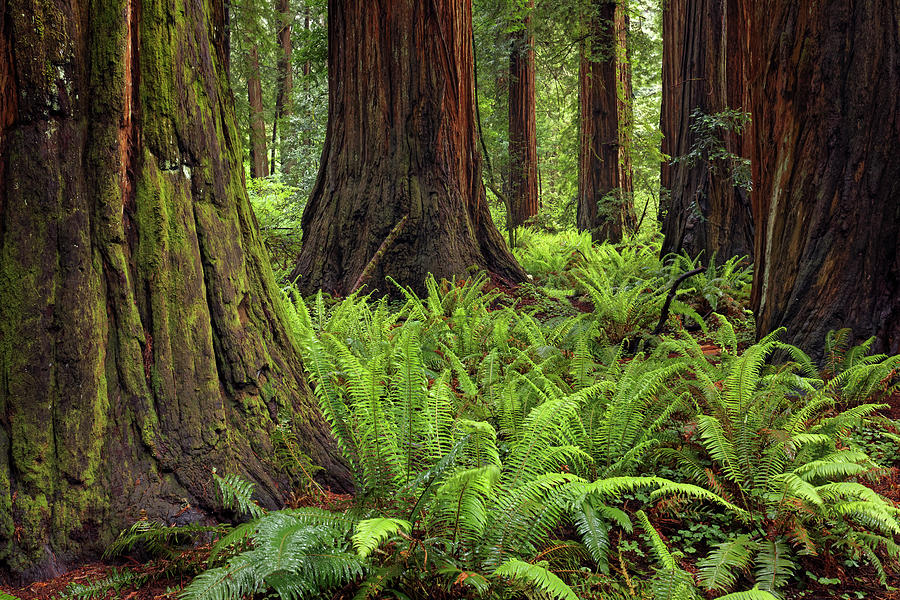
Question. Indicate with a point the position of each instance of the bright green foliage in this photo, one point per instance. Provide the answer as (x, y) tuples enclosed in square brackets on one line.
[(626, 293), (237, 495), (371, 532), (537, 577), (719, 570), (777, 457), (671, 580), (754, 594), (296, 554), (727, 282), (477, 429)]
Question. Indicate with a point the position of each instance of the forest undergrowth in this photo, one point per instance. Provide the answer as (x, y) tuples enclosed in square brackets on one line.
[(557, 440)]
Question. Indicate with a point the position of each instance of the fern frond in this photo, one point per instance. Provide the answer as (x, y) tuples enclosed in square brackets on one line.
[(686, 490), (754, 594), (537, 577), (156, 538), (237, 579), (237, 495), (594, 532), (236, 539), (371, 532), (717, 570), (774, 565), (670, 581)]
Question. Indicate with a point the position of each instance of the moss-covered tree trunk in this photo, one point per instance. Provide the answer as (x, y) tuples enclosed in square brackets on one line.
[(605, 203), (702, 210), (523, 160), (826, 108), (141, 332), (401, 171), (259, 160)]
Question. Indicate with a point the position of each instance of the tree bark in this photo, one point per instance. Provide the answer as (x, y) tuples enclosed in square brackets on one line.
[(826, 108), (701, 208), (283, 102), (141, 330), (400, 144), (523, 168), (605, 204), (259, 160)]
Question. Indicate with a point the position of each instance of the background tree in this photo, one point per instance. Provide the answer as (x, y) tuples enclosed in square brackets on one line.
[(523, 159), (401, 173), (259, 160), (826, 99), (303, 130), (254, 75), (706, 203), (284, 100), (604, 166), (141, 331)]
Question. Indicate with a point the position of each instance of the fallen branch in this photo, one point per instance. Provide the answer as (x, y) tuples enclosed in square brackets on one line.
[(665, 311), (391, 237)]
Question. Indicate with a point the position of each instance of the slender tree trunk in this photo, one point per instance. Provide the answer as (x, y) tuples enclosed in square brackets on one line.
[(400, 148), (826, 107), (523, 171), (605, 206), (259, 165), (307, 67), (226, 35), (141, 330), (285, 82), (701, 208)]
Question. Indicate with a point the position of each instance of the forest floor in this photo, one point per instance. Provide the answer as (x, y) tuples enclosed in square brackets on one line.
[(131, 579), (862, 585)]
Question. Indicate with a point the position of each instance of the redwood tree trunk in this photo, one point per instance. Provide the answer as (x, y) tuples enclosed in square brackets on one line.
[(259, 160), (400, 169), (523, 168), (701, 208), (826, 108), (141, 330), (285, 81), (605, 206)]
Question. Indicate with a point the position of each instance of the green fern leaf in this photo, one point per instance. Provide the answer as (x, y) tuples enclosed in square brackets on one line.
[(371, 532), (535, 576), (717, 570)]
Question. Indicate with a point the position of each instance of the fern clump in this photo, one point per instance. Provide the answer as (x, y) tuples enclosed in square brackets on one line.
[(295, 554), (479, 430), (771, 436)]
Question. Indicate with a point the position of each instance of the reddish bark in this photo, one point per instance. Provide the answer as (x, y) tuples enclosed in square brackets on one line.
[(523, 166), (8, 91), (283, 103), (826, 106), (259, 162), (400, 143), (701, 209), (605, 206)]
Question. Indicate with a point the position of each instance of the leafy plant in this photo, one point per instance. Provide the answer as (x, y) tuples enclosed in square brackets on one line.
[(116, 581), (158, 539), (772, 437), (728, 282)]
